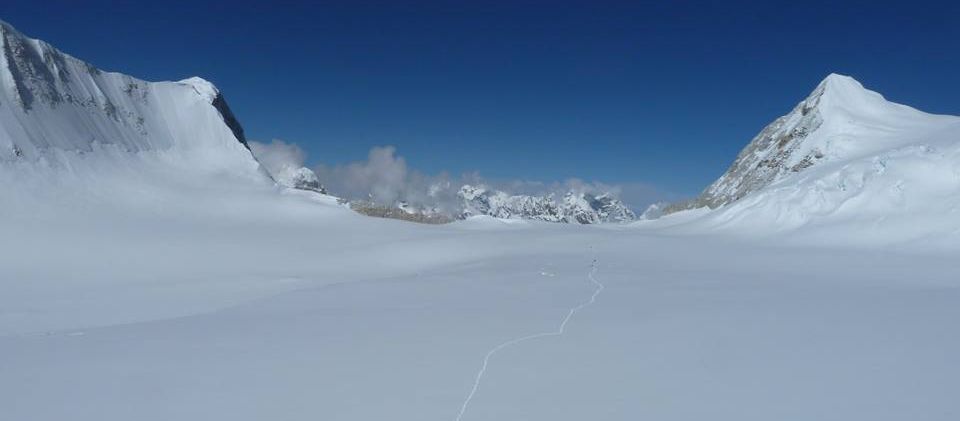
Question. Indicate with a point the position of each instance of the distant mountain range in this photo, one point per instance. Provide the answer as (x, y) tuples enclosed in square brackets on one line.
[(570, 207), (844, 156), (574, 207)]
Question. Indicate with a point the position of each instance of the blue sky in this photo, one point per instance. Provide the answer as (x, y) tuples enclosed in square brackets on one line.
[(636, 93)]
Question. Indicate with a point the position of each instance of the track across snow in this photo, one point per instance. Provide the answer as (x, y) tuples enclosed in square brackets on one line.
[(559, 332)]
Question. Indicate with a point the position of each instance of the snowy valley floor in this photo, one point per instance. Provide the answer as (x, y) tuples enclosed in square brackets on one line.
[(307, 312)]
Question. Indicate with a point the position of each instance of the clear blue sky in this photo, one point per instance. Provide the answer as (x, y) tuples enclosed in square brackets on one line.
[(621, 92)]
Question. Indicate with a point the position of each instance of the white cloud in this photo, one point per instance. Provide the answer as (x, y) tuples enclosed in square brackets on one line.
[(278, 155), (386, 178)]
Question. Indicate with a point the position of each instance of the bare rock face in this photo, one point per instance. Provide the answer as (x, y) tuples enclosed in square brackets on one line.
[(769, 155), (402, 212)]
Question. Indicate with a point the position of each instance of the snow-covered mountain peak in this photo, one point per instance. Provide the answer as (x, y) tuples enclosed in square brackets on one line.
[(6, 27), (843, 157), (837, 86), (471, 192), (838, 121), (842, 96), (203, 87), (59, 114)]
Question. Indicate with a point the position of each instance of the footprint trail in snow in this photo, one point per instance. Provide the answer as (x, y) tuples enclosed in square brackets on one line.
[(598, 288)]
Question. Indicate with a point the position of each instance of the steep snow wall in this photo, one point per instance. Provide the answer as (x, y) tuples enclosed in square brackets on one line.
[(60, 115)]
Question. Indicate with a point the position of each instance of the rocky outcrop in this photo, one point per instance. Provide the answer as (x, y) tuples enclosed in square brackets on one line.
[(400, 211)]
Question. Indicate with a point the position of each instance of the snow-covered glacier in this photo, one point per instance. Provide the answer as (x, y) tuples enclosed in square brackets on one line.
[(151, 270)]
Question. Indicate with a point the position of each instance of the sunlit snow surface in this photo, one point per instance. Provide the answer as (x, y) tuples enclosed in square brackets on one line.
[(296, 309), (150, 270)]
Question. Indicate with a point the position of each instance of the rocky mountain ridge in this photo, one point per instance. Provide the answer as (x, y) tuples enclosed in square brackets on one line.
[(571, 207), (839, 120)]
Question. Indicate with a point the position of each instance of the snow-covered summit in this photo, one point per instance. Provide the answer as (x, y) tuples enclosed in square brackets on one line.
[(839, 120), (203, 87), (56, 109), (843, 101), (847, 159)]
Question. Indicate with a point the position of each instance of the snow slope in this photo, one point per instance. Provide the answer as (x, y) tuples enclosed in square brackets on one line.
[(62, 119), (845, 163), (361, 318), (159, 275)]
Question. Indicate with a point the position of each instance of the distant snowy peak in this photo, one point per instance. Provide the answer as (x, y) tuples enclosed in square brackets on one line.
[(478, 200), (610, 209), (55, 108), (301, 178), (839, 120), (572, 207)]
